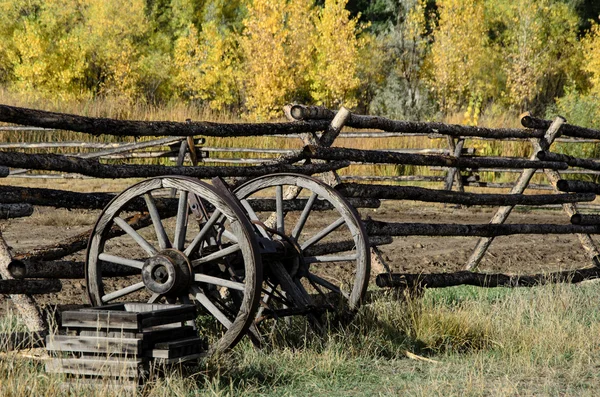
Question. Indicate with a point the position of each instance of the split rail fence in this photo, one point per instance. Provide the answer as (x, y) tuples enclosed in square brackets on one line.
[(39, 270)]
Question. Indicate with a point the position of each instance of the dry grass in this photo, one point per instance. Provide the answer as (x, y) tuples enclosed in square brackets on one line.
[(492, 342)]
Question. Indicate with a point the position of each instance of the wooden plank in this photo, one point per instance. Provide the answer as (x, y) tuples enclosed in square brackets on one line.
[(94, 344), (103, 366), (178, 348), (134, 316)]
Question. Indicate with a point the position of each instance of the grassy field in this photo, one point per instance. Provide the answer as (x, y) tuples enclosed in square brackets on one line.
[(459, 341)]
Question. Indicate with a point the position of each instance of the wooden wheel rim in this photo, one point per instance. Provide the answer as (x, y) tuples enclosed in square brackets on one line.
[(238, 223), (339, 203)]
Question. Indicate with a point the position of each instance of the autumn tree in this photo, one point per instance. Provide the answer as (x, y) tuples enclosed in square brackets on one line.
[(276, 44), (207, 66), (335, 70), (457, 52)]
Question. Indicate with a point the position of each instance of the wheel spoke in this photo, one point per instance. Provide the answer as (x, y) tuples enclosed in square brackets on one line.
[(146, 246), (122, 292), (216, 255), (182, 218), (332, 287), (121, 261), (203, 278), (253, 217), (279, 208), (163, 239), (154, 298), (320, 259), (203, 232), (304, 216), (323, 233), (210, 306)]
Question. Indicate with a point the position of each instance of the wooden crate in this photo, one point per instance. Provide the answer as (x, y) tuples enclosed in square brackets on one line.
[(124, 340)]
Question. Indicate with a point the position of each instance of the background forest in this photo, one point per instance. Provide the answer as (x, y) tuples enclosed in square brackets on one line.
[(407, 59)]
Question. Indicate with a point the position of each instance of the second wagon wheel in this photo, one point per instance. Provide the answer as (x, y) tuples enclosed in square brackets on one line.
[(198, 246), (320, 255)]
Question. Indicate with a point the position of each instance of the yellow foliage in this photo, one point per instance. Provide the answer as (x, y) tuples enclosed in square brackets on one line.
[(206, 66), (457, 51), (276, 47), (591, 49), (335, 72), (112, 35)]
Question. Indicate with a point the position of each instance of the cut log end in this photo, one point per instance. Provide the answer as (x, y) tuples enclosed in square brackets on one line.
[(9, 211)]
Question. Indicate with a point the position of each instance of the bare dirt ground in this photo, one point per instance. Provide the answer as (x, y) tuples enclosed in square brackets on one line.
[(511, 254)]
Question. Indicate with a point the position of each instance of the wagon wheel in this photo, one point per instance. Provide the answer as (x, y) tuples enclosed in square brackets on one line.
[(213, 261), (325, 262)]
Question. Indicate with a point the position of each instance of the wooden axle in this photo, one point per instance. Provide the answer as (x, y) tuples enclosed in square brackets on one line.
[(443, 196)]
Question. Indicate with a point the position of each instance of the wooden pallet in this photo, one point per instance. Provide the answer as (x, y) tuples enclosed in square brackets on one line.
[(123, 340)]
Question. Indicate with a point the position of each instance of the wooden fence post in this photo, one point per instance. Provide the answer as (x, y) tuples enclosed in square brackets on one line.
[(501, 215), (24, 303)]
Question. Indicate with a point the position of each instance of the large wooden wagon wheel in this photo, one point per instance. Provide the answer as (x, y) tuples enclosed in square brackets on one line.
[(213, 259), (320, 260)]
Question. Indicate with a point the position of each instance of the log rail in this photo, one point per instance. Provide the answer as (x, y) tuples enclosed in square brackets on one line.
[(45, 263)]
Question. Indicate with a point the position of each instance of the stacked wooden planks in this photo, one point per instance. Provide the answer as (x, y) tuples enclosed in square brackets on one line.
[(124, 340)]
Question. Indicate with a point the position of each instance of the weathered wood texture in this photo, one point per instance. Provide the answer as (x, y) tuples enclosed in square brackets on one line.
[(444, 196), (529, 121), (442, 280), (24, 303), (570, 160), (4, 172), (17, 210), (565, 185), (29, 287), (53, 162), (383, 157), (580, 219), (375, 228), (63, 269), (300, 112), (99, 126)]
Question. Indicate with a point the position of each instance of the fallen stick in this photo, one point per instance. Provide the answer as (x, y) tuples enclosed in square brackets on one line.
[(465, 277)]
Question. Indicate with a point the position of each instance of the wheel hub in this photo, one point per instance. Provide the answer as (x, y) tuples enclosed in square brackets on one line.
[(167, 273)]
